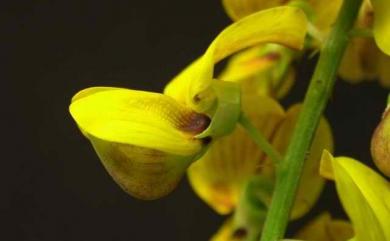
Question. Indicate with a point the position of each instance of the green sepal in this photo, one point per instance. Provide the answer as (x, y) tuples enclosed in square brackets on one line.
[(227, 110)]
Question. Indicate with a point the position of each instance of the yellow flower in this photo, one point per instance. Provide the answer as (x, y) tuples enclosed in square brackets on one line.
[(220, 174), (262, 70), (363, 60), (365, 196), (324, 228), (147, 140), (266, 69), (226, 233), (323, 13), (282, 25)]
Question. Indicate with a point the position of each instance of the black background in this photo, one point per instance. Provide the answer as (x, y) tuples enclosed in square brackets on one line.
[(52, 184)]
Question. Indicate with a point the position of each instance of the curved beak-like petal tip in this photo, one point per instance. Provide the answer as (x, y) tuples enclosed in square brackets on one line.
[(380, 145), (145, 140)]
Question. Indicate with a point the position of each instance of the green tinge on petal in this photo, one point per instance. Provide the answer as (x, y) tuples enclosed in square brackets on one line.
[(311, 183), (382, 24), (227, 112), (218, 176), (283, 25), (324, 228), (364, 194), (144, 173), (139, 118)]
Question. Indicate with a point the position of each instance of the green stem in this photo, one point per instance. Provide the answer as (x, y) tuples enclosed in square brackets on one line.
[(319, 91), (259, 139)]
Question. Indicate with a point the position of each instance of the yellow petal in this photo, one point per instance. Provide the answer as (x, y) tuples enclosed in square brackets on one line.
[(384, 70), (144, 140), (283, 25), (282, 87), (261, 70), (364, 194), (325, 13), (92, 90), (227, 233), (218, 176), (324, 228), (139, 118), (237, 9), (248, 63), (144, 173), (382, 24), (311, 183), (360, 61)]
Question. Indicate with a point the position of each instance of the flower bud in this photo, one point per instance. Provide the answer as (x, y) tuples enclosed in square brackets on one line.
[(380, 144)]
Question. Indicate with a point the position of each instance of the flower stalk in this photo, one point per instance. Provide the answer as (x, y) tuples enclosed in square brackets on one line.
[(260, 140), (318, 93)]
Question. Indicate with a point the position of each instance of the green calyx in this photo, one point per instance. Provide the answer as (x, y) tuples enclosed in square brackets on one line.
[(227, 111)]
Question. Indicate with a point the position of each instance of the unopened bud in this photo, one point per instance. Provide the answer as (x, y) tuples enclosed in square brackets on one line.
[(380, 144)]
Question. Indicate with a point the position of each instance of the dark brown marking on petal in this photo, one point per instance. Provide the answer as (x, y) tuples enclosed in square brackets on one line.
[(206, 140), (273, 56), (240, 233), (194, 123), (197, 98)]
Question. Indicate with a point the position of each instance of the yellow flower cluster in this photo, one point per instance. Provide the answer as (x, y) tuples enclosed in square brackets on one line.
[(147, 141)]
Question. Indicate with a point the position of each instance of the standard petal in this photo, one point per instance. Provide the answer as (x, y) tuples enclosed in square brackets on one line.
[(364, 194), (218, 176), (283, 25), (139, 118), (382, 24), (311, 183), (324, 228)]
